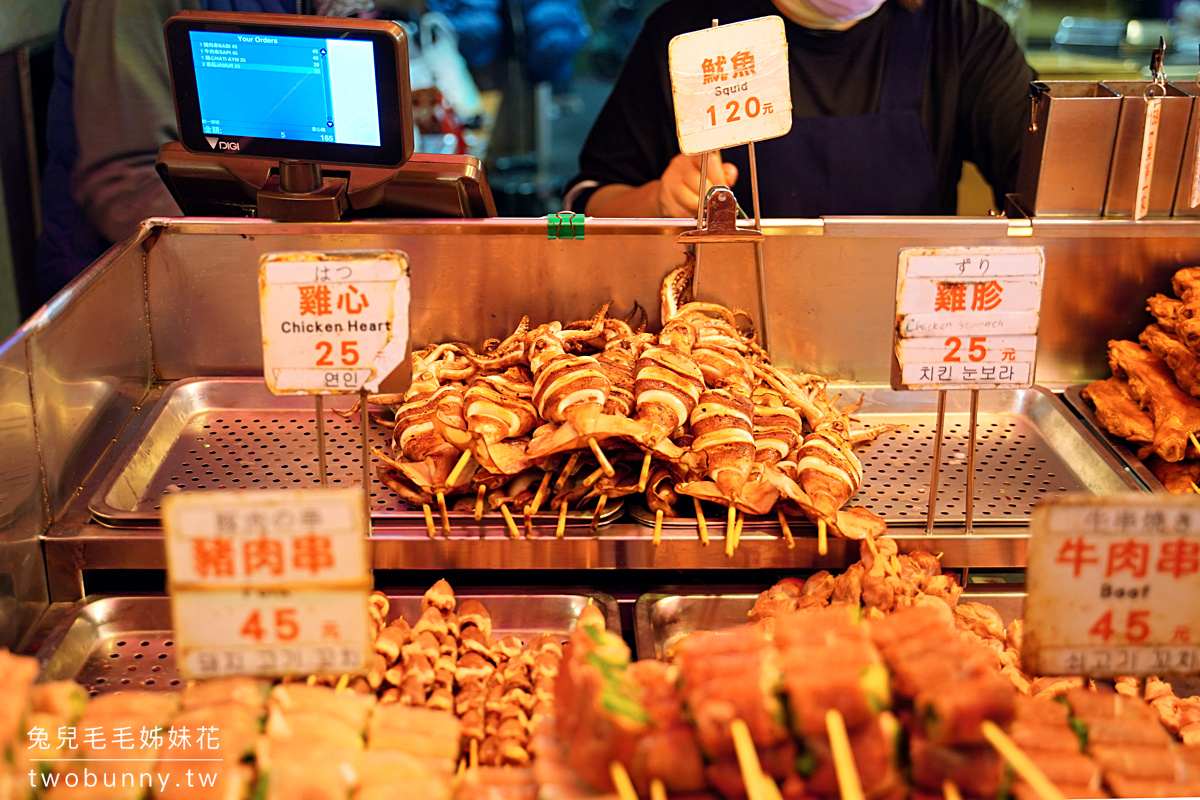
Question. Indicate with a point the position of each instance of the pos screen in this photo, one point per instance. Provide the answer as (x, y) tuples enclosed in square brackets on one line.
[(294, 88)]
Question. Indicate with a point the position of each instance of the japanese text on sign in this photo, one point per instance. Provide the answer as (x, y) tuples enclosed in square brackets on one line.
[(967, 317), (268, 583), (1112, 587), (332, 323), (730, 85)]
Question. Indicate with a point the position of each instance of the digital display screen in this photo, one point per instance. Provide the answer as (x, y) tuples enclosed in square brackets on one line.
[(286, 87)]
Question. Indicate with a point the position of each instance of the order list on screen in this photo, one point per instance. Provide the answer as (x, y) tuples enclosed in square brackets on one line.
[(286, 87)]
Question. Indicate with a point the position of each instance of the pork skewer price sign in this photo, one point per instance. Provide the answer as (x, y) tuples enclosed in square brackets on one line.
[(967, 318), (1113, 586), (333, 323), (269, 583)]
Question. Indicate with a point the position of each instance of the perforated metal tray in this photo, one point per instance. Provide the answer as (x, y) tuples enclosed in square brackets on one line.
[(1028, 446), (111, 643), (231, 433), (663, 618)]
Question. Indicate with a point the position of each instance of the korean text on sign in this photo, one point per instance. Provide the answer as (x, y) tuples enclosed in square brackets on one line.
[(968, 317), (332, 323), (730, 85), (1112, 587)]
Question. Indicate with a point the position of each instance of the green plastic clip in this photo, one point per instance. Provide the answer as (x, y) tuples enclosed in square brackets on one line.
[(564, 225)]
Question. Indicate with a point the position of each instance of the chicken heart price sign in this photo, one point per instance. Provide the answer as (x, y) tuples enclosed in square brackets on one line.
[(730, 85), (271, 583), (333, 323), (1113, 583), (967, 317)]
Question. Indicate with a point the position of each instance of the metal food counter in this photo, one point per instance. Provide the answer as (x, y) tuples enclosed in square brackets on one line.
[(155, 352)]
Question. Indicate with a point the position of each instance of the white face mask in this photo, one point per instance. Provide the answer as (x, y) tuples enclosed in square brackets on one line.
[(828, 13)]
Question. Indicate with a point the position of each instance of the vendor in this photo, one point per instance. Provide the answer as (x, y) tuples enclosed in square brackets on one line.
[(889, 97)]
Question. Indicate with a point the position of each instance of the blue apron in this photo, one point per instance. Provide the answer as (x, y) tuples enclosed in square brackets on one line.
[(876, 164)]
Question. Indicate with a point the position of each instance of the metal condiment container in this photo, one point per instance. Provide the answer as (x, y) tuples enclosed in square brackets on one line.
[(1127, 149), (1189, 162), (1067, 150)]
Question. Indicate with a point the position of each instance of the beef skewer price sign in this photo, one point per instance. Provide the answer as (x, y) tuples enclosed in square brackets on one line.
[(1113, 586), (269, 583)]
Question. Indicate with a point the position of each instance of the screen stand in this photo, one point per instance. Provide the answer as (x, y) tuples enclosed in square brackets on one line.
[(300, 193)]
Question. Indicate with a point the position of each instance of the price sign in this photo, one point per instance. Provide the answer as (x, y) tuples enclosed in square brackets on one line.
[(730, 85), (333, 323), (967, 318), (269, 583), (1113, 583)]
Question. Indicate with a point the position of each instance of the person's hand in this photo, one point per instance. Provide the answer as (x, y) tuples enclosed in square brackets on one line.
[(679, 187)]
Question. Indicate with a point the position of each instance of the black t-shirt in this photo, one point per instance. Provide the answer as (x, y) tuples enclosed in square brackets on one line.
[(974, 107)]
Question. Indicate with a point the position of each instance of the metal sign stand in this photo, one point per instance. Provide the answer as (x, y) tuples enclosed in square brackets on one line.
[(364, 421), (973, 426), (319, 402)]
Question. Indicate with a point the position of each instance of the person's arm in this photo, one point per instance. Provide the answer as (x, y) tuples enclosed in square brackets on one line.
[(993, 96), (632, 154), (675, 194), (123, 110)]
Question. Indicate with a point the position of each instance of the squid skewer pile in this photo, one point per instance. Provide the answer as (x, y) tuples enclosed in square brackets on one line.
[(563, 416)]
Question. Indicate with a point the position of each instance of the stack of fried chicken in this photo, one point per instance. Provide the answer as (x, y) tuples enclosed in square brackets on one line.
[(564, 416), (1153, 398)]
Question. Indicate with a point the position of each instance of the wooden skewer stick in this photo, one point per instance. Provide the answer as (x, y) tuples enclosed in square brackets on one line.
[(513, 533), (458, 468), (428, 520), (441, 501), (473, 754), (599, 510), (1020, 762), (658, 518), (758, 785), (1195, 443), (822, 538), (843, 757), (342, 683), (950, 791), (658, 790), (561, 483), (591, 479), (737, 531), (787, 530), (602, 459), (540, 495), (645, 474), (701, 522), (528, 520), (561, 528), (462, 768), (731, 532), (1195, 488), (622, 781), (479, 502)]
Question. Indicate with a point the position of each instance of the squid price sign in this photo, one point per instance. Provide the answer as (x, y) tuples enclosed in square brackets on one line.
[(268, 583), (333, 323), (1113, 583), (967, 318), (730, 85)]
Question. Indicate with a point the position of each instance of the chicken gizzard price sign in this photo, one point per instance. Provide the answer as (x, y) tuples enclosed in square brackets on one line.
[(967, 318), (1113, 586), (270, 583)]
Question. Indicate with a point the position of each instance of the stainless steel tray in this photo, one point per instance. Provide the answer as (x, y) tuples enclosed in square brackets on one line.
[(109, 643), (219, 433), (1028, 446), (662, 618), (1073, 395)]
